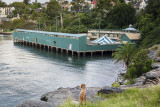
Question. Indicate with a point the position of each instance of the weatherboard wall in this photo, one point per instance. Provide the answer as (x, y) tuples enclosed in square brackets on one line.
[(78, 44)]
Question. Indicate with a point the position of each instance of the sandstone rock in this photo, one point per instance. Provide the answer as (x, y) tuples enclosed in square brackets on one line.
[(120, 79), (158, 59), (31, 103), (152, 74), (110, 90), (152, 54), (140, 81), (155, 66), (60, 95)]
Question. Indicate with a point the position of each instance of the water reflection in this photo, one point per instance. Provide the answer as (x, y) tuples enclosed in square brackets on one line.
[(28, 72)]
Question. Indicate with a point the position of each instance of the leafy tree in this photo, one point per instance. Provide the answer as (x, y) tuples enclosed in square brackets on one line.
[(75, 28), (35, 6), (79, 6), (153, 8), (124, 53), (140, 64), (152, 38), (26, 1), (104, 5), (122, 15), (35, 15), (149, 23), (19, 8), (53, 9), (2, 4)]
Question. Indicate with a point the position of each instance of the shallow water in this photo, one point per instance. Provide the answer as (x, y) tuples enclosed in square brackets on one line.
[(27, 73)]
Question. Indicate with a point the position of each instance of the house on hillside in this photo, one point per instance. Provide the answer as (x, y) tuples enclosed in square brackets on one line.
[(141, 4), (5, 11)]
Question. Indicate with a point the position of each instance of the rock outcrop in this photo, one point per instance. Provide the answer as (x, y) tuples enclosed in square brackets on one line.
[(60, 95), (32, 103), (110, 90)]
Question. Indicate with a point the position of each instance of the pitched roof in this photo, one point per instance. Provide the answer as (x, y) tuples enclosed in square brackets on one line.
[(50, 33), (94, 2), (133, 36)]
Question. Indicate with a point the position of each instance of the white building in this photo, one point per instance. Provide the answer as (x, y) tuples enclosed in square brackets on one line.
[(5, 11)]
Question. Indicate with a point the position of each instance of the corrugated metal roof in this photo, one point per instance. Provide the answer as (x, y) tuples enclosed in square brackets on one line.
[(51, 33), (133, 36)]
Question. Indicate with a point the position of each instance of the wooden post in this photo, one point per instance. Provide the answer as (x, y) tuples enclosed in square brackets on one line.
[(72, 53), (56, 49), (48, 47), (91, 53), (40, 46), (33, 44), (78, 54), (61, 50), (66, 51), (102, 53), (84, 53)]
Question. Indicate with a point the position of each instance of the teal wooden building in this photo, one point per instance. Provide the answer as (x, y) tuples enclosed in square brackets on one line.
[(74, 43), (131, 37)]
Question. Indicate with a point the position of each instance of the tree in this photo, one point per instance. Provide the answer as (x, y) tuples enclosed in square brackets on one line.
[(2, 4), (26, 1), (149, 24), (122, 15), (124, 53), (140, 64), (35, 6), (53, 9), (19, 8), (79, 6), (35, 15)]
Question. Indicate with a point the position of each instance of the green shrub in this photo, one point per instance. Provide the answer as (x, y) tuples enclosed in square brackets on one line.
[(115, 84), (140, 64)]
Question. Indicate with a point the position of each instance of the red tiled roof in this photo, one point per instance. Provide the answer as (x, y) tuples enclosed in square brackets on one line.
[(94, 2)]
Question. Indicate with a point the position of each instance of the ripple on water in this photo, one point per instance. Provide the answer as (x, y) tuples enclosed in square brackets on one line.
[(27, 73)]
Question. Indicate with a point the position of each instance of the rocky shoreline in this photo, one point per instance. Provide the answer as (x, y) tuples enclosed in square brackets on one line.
[(59, 96)]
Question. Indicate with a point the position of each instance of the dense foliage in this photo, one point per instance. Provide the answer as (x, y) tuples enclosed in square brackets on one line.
[(124, 53), (139, 65), (2, 4), (79, 19), (122, 15), (136, 63), (149, 24)]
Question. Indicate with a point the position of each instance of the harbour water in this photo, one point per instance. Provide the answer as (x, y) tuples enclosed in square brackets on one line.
[(27, 72)]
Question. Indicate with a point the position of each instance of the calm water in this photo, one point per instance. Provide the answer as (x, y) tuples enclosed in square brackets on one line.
[(27, 73)]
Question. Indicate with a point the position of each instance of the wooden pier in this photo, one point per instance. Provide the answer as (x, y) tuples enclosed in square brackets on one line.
[(62, 50), (74, 44)]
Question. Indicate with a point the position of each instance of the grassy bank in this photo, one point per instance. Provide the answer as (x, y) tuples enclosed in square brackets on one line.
[(147, 97)]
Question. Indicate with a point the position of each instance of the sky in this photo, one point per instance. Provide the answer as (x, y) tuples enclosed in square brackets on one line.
[(11, 1)]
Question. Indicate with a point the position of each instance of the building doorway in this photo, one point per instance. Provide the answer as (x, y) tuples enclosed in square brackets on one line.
[(70, 47), (54, 43)]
